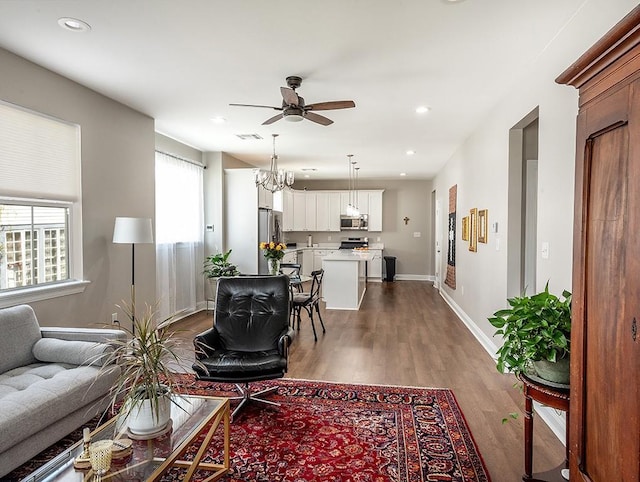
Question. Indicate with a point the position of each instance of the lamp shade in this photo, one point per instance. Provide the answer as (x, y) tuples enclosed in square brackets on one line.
[(132, 230)]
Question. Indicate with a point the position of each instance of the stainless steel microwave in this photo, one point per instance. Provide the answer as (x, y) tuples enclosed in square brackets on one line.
[(354, 223)]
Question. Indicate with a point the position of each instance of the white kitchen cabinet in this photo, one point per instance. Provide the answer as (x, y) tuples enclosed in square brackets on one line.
[(287, 210), (318, 254), (290, 257), (307, 262), (310, 211), (361, 200), (344, 202), (299, 211), (327, 211), (321, 210), (375, 210), (374, 268), (265, 198)]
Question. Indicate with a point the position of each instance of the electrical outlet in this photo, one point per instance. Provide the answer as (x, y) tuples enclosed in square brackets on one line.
[(328, 238), (378, 239)]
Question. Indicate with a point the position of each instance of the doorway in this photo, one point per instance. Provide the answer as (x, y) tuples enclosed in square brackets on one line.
[(436, 228), (522, 215)]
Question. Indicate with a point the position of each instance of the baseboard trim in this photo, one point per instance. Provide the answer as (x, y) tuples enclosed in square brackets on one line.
[(414, 277), (480, 335), (554, 421)]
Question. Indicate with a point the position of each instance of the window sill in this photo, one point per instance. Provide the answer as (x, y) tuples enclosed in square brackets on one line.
[(39, 293)]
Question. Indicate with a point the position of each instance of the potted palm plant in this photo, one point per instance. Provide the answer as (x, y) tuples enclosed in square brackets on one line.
[(147, 379), (536, 333)]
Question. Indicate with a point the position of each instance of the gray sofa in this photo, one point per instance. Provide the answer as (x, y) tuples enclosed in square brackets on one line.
[(51, 382)]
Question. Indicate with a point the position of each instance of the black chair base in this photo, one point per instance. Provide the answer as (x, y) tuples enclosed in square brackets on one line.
[(246, 395)]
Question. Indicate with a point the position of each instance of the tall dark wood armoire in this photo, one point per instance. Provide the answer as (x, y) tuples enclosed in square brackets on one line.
[(604, 435)]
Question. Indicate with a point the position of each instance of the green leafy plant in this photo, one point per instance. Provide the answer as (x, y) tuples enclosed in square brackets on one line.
[(536, 327), (217, 265)]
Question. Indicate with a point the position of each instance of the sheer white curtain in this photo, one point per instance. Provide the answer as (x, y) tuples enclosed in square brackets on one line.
[(179, 234)]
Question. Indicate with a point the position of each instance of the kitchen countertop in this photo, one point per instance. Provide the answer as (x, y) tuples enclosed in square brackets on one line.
[(349, 255), (330, 246)]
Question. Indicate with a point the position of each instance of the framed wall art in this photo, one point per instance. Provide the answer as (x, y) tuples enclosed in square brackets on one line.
[(473, 230), (483, 232), (450, 279), (465, 228)]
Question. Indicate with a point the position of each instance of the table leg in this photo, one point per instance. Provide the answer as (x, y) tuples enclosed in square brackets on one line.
[(528, 438)]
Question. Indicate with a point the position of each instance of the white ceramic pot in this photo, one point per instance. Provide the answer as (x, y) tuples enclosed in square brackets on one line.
[(143, 420)]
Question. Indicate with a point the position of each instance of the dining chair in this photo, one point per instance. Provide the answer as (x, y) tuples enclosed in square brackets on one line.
[(292, 270), (310, 301)]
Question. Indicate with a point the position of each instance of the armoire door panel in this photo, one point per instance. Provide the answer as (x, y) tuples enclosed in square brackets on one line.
[(604, 420)]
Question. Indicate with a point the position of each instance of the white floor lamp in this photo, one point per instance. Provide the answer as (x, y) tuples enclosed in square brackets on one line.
[(133, 231)]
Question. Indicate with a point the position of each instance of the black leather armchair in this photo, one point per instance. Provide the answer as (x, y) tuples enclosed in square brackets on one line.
[(250, 338)]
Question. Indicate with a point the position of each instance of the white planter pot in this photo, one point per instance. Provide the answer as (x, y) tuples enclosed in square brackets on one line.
[(143, 420)]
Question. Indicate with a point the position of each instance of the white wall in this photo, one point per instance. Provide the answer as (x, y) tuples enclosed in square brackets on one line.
[(480, 169), (117, 180)]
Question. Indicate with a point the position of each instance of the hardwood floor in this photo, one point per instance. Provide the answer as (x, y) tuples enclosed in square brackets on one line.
[(405, 334)]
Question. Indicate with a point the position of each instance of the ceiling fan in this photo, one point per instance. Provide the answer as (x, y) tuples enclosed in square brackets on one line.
[(294, 109)]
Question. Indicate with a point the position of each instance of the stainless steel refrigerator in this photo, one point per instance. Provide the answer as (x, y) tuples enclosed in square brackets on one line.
[(269, 229)]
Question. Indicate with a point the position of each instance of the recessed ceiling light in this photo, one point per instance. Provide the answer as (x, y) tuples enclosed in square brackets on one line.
[(410, 152), (423, 109), (307, 175), (309, 169), (403, 173), (218, 120), (73, 24)]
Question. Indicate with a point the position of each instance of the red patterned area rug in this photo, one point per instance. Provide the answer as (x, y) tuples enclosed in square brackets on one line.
[(345, 433)]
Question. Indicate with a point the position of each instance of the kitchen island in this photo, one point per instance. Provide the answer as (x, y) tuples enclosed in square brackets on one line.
[(345, 279)]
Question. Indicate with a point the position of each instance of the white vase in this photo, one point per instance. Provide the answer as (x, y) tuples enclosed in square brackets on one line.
[(142, 420)]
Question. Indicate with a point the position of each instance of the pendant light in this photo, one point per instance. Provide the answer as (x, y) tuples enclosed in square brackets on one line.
[(356, 209), (274, 179)]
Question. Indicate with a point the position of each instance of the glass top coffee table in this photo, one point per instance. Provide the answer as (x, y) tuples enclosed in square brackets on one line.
[(150, 459)]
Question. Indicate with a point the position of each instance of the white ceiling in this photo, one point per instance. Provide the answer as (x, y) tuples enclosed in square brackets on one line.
[(183, 61)]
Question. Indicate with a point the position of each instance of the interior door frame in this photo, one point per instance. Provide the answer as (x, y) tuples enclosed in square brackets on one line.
[(437, 245)]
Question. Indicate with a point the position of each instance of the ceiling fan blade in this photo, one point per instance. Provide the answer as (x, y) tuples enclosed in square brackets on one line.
[(253, 105), (336, 104), (289, 95), (319, 119), (273, 119)]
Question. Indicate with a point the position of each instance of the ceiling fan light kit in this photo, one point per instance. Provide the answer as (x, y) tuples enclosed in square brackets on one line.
[(275, 179), (294, 108)]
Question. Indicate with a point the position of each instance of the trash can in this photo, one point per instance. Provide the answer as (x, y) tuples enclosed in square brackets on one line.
[(389, 267)]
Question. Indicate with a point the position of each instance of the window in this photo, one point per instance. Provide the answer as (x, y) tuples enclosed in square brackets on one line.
[(40, 206), (33, 245), (179, 233)]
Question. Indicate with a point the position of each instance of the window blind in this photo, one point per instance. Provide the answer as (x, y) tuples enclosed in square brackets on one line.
[(39, 155)]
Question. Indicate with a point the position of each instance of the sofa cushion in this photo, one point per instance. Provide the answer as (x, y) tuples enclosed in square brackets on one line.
[(35, 396), (71, 352), (20, 331)]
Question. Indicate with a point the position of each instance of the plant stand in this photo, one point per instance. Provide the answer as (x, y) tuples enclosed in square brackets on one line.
[(553, 397)]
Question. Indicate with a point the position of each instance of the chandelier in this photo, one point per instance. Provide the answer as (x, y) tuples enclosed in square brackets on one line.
[(352, 207), (274, 179)]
